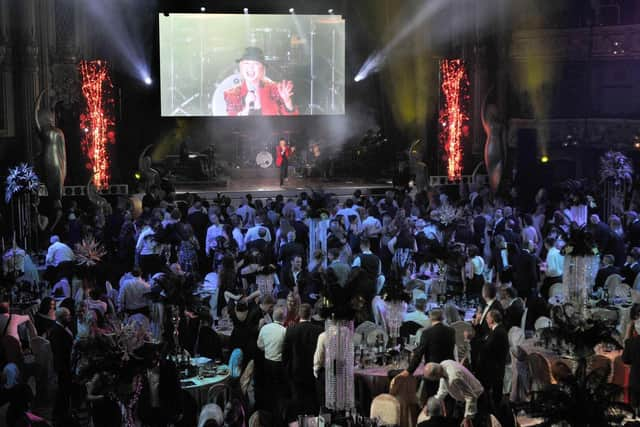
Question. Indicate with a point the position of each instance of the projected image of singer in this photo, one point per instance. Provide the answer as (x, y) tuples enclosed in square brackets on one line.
[(257, 95)]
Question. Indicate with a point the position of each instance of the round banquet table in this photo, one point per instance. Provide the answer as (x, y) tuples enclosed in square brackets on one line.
[(198, 387), (370, 382)]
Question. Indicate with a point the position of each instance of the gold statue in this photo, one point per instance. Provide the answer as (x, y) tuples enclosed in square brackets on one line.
[(54, 151)]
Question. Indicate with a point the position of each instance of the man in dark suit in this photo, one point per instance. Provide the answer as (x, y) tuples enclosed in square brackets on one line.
[(297, 355), (633, 233), (492, 359), (503, 258), (509, 235), (514, 309), (526, 272), (61, 339), (605, 271), (295, 276), (436, 344), (601, 232), (290, 249), (481, 327), (631, 267)]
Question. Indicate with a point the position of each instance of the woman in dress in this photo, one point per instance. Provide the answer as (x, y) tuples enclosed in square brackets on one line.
[(188, 251)]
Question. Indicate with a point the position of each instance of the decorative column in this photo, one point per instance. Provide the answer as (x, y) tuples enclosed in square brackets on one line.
[(28, 85)]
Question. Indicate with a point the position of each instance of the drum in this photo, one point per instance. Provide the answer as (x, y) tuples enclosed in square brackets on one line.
[(264, 159), (274, 42)]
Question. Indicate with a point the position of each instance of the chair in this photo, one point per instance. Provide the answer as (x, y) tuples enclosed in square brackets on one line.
[(621, 291), (555, 290), (542, 322), (613, 280), (409, 328), (386, 409), (247, 385), (523, 321), (404, 389), (235, 363), (539, 371), (494, 421), (516, 337), (605, 314), (461, 343), (379, 312), (620, 377), (211, 411), (219, 394), (600, 365)]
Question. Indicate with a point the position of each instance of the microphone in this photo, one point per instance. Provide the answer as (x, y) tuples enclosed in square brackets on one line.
[(252, 103)]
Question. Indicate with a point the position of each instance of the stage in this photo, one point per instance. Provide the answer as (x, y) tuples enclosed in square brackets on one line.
[(261, 185)]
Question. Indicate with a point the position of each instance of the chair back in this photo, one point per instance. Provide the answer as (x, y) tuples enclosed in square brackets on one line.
[(516, 337), (613, 280), (523, 320), (620, 291), (542, 322), (409, 328), (379, 312), (605, 314), (209, 412), (555, 290), (404, 389), (386, 409), (364, 328), (493, 421), (539, 370), (600, 365), (219, 394)]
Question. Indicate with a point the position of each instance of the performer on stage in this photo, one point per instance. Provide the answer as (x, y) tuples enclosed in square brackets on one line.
[(284, 151), (258, 95)]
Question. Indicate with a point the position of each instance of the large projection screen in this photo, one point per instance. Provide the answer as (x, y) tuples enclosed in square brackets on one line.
[(245, 64)]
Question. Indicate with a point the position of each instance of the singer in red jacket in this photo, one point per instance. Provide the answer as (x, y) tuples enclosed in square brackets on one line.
[(256, 94), (283, 152)]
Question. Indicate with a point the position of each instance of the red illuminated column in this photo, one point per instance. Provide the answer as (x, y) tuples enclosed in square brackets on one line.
[(97, 124), (453, 116)]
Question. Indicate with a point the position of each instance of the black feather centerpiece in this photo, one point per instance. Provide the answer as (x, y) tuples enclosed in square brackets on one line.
[(320, 204), (335, 300), (580, 243), (393, 290)]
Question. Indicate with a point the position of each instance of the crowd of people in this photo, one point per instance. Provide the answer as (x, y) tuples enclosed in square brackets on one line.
[(168, 276)]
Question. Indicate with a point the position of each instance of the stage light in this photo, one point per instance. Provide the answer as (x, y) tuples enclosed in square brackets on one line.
[(137, 176), (203, 9), (544, 159), (246, 11), (148, 81), (292, 10), (330, 11)]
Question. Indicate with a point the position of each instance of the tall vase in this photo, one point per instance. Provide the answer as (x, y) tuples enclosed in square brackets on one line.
[(578, 279), (394, 314), (339, 362)]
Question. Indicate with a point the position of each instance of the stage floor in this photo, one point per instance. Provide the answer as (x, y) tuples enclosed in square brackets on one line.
[(262, 187)]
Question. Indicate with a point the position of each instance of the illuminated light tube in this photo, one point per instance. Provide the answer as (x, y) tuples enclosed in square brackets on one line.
[(453, 116), (97, 120)]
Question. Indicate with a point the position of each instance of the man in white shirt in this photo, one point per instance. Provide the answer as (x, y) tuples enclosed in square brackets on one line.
[(371, 226), (58, 252), (347, 211), (237, 233), (131, 297), (246, 212), (59, 260), (554, 269), (418, 316), (271, 341), (457, 382), (213, 232), (254, 232)]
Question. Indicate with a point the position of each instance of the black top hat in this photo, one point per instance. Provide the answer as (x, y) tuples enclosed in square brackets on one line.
[(252, 54)]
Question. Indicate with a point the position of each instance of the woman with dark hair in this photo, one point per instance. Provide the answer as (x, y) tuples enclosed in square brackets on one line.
[(160, 401), (46, 315), (403, 245), (188, 251), (227, 281)]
